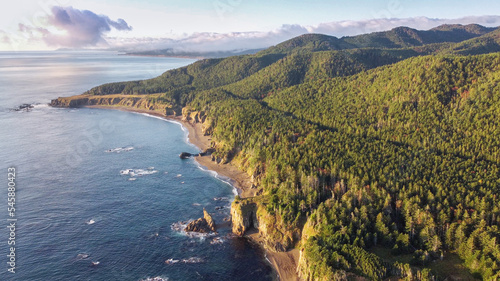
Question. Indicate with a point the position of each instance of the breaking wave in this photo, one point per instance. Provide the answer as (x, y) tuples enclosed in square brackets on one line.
[(120, 149)]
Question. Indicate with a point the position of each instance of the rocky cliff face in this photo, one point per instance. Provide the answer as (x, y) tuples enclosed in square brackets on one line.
[(243, 216), (193, 117), (70, 102), (131, 101), (247, 214), (303, 267)]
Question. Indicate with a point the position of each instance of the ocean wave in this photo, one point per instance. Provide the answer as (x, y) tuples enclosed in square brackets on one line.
[(217, 241), (41, 105), (156, 278), (138, 172), (184, 129), (216, 175), (31, 107), (188, 260), (34, 225), (181, 225), (171, 261), (82, 256), (120, 149), (193, 260), (154, 235)]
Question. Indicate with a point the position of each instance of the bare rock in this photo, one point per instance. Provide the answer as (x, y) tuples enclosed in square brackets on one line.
[(210, 221), (202, 225)]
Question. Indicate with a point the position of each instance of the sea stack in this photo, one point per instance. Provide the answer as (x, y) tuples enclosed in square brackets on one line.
[(210, 221), (205, 224)]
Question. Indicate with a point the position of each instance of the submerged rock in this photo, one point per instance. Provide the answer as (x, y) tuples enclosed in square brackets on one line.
[(23, 107)]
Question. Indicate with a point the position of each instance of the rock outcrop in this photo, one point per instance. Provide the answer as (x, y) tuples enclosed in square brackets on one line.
[(247, 213), (131, 101), (210, 221), (243, 216), (193, 117), (185, 155), (202, 225), (23, 107), (207, 152)]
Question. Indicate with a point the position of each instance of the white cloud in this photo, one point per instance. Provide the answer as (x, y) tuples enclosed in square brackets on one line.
[(206, 41), (349, 28), (69, 27)]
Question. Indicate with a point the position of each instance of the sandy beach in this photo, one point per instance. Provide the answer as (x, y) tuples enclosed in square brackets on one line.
[(284, 263)]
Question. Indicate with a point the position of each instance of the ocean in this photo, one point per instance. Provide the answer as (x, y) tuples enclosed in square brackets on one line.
[(102, 194)]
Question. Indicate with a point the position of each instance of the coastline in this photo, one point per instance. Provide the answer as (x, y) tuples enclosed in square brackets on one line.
[(283, 263), (166, 56)]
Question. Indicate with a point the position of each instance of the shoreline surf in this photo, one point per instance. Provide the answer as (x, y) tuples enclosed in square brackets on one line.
[(284, 264)]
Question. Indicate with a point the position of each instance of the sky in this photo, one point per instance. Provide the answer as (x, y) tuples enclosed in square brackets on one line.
[(208, 25)]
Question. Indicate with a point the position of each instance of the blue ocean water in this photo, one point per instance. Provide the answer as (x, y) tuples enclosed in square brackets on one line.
[(100, 193)]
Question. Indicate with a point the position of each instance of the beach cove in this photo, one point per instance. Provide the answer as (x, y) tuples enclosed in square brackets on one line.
[(284, 263)]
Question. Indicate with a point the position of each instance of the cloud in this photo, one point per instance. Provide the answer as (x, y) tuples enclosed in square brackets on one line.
[(4, 38), (208, 41), (350, 28), (69, 27)]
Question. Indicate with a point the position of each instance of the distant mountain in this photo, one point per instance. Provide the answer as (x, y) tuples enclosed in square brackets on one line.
[(399, 37), (308, 57), (173, 53), (484, 44)]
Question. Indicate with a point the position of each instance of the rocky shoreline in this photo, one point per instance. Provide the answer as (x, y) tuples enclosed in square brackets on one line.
[(245, 221)]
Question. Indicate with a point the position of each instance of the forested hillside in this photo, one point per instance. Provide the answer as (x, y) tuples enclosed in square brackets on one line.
[(376, 155)]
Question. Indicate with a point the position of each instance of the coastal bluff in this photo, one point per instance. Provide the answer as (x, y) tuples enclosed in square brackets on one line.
[(249, 214), (131, 102)]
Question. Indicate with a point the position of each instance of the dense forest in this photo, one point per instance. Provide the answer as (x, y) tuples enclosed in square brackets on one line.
[(381, 143)]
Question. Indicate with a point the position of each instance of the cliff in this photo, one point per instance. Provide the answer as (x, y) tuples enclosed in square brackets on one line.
[(249, 213), (141, 102), (192, 116), (243, 216), (304, 265)]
